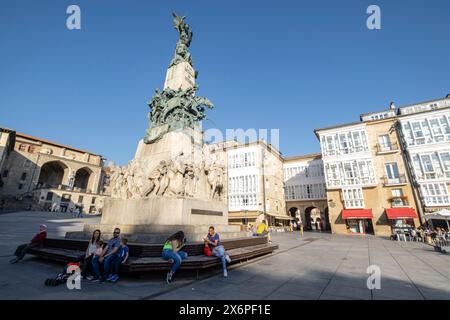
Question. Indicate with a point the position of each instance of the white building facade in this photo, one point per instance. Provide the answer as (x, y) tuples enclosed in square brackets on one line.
[(305, 191), (255, 182), (425, 129)]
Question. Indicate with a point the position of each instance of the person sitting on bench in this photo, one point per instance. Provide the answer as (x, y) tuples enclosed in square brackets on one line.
[(263, 230), (213, 240), (108, 256), (90, 252), (172, 252), (37, 241), (121, 257)]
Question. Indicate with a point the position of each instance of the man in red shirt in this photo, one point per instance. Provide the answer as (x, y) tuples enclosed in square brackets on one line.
[(37, 241)]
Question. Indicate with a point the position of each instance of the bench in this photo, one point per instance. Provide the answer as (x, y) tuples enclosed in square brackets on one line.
[(147, 257)]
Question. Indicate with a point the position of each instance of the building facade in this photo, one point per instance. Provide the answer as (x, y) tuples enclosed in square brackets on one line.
[(255, 182), (425, 131), (368, 188), (305, 191), (42, 175)]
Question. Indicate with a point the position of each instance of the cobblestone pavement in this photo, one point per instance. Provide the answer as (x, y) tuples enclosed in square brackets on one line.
[(317, 266)]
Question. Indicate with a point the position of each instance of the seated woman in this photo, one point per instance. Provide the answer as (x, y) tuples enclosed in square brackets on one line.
[(213, 240), (90, 252), (172, 252)]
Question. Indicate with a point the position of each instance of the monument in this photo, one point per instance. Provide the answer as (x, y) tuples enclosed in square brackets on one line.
[(173, 182)]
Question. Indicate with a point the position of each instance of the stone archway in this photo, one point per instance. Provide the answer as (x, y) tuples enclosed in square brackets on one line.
[(293, 212), (52, 174), (312, 218), (82, 178)]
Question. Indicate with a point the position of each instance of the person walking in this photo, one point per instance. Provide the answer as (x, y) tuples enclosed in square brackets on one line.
[(172, 252), (213, 240)]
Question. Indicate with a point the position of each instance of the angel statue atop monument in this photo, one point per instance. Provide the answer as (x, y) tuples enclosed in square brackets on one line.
[(183, 29), (181, 50)]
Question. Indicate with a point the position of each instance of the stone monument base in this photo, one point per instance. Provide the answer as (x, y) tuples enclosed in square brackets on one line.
[(158, 233), (164, 211)]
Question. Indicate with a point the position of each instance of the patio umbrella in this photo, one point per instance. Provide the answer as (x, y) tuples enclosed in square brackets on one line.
[(443, 214)]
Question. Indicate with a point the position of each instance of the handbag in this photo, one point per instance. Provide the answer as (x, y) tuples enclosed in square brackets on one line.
[(207, 251)]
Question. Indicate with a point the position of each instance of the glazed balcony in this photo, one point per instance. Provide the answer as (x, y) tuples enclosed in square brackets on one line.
[(399, 181), (387, 148)]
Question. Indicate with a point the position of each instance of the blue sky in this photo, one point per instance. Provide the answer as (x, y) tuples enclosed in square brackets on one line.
[(293, 65)]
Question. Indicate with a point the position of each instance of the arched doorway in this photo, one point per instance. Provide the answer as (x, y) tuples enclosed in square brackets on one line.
[(312, 218), (82, 177), (52, 174), (293, 212), (327, 220)]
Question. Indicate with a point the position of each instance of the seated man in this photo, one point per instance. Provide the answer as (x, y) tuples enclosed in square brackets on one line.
[(108, 255), (37, 241), (263, 230)]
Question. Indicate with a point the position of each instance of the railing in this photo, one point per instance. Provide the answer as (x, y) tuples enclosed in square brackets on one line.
[(400, 201), (395, 181), (354, 204), (391, 147), (65, 188)]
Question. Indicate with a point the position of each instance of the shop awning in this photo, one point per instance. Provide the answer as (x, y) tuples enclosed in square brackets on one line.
[(401, 213), (443, 214), (357, 214), (280, 217)]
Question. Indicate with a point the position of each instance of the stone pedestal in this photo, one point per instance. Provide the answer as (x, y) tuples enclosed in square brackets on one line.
[(167, 145), (181, 75), (164, 211)]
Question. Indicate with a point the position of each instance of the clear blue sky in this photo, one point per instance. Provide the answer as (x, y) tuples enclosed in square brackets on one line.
[(293, 65)]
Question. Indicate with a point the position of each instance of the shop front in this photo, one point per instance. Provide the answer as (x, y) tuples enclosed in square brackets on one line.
[(401, 218), (358, 221)]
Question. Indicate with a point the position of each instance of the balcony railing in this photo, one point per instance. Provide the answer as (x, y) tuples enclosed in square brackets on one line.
[(64, 187), (387, 148), (395, 181), (399, 201)]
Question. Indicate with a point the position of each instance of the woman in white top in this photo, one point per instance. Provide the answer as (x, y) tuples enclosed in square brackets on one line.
[(90, 252)]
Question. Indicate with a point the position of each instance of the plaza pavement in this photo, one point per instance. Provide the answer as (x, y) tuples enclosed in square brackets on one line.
[(317, 266)]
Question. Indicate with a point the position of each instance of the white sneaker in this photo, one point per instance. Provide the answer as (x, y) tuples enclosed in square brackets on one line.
[(227, 257), (225, 273)]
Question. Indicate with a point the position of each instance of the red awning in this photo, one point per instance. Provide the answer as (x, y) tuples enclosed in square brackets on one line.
[(401, 213), (357, 214)]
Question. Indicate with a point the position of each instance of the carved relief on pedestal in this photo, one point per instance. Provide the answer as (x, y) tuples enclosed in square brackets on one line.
[(178, 177)]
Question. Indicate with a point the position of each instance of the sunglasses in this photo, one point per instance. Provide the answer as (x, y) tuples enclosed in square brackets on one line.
[(116, 232)]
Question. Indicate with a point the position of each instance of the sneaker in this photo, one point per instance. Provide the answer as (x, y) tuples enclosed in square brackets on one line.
[(95, 279), (89, 278), (115, 278), (14, 260), (227, 257), (110, 277), (225, 273), (169, 277)]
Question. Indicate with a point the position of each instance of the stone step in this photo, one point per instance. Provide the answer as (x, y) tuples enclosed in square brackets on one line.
[(156, 237), (169, 229)]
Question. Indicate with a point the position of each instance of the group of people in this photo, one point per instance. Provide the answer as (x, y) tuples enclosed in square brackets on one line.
[(101, 261), (104, 259), (421, 233)]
